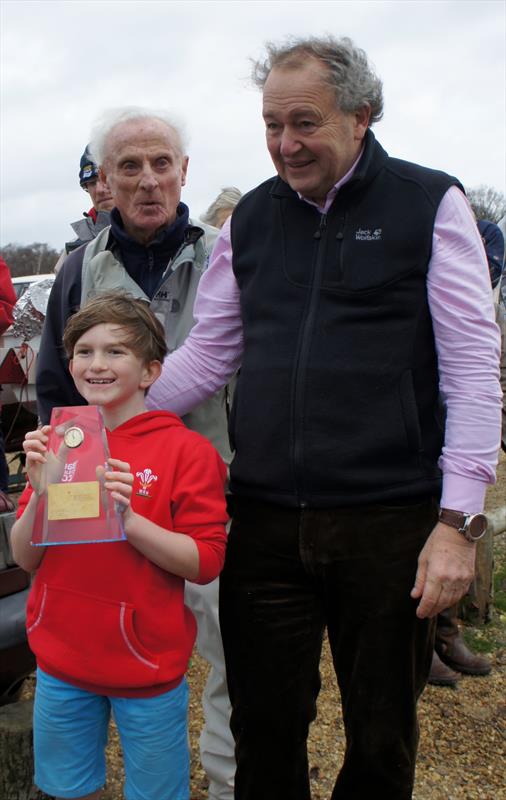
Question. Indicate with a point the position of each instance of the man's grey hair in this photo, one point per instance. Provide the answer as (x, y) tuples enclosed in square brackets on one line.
[(227, 198), (109, 119), (350, 75)]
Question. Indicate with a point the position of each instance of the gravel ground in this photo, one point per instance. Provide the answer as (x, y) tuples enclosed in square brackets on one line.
[(462, 753)]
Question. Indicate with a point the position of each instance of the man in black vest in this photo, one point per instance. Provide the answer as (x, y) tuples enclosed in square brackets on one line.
[(353, 291)]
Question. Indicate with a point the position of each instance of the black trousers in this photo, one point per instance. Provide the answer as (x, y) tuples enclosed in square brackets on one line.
[(289, 574)]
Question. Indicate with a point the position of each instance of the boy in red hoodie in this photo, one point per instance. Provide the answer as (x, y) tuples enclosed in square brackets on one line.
[(107, 621)]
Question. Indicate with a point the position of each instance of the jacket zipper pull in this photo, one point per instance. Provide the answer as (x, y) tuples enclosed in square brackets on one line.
[(321, 228)]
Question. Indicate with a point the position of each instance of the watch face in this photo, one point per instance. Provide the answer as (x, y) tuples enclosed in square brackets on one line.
[(477, 525), (73, 437)]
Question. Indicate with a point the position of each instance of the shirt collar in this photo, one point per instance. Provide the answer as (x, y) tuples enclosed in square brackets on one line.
[(332, 193)]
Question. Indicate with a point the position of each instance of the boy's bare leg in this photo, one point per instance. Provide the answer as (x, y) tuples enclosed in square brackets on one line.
[(93, 796)]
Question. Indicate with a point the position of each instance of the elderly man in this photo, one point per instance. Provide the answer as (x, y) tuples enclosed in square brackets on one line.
[(353, 291), (153, 250)]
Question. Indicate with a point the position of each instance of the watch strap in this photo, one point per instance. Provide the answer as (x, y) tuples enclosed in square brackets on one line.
[(472, 526), (456, 519)]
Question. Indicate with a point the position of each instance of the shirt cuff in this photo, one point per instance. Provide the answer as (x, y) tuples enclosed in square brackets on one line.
[(463, 494)]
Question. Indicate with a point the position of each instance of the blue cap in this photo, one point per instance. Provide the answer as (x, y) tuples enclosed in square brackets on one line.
[(88, 170)]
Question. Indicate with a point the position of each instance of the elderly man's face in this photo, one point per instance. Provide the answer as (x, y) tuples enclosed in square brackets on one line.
[(145, 170), (311, 142)]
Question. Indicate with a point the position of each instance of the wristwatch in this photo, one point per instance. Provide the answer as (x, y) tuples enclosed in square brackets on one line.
[(471, 526)]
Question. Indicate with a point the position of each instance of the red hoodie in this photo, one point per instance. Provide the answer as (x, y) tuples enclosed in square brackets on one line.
[(102, 616)]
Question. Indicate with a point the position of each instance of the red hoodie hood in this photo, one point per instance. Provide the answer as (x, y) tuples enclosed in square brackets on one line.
[(146, 423)]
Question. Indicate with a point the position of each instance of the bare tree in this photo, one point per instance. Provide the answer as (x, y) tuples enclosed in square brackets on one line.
[(31, 259), (487, 203)]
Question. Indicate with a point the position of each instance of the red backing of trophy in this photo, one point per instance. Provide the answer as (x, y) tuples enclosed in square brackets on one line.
[(73, 505)]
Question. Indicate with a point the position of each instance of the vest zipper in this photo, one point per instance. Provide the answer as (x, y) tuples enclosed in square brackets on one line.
[(301, 365), (339, 239)]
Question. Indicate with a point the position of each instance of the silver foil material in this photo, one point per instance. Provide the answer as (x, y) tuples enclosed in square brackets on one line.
[(30, 310)]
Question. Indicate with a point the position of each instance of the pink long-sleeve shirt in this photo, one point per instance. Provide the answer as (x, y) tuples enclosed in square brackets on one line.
[(466, 336)]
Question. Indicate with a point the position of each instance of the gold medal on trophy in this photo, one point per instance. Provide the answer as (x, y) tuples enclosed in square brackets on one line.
[(73, 436)]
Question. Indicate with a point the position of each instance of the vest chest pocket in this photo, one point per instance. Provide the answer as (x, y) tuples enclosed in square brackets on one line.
[(367, 266)]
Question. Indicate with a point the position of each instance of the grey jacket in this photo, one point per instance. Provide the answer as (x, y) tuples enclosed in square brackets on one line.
[(101, 270), (86, 229)]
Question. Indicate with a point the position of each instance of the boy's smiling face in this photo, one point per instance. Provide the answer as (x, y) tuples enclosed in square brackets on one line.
[(109, 374)]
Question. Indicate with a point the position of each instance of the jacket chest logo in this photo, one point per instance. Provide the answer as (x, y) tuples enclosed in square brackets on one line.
[(146, 478), (368, 235), (174, 306)]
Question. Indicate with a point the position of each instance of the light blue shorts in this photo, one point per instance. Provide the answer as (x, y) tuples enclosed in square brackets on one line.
[(70, 734)]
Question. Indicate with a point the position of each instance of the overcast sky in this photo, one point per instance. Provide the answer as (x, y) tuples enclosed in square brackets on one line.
[(442, 63)]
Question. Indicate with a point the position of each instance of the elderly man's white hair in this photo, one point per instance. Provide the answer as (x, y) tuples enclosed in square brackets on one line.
[(112, 117)]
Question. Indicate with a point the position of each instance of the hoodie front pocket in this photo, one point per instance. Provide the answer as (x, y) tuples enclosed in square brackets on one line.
[(91, 640)]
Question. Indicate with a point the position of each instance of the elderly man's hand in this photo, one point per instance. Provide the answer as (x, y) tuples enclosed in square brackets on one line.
[(445, 570)]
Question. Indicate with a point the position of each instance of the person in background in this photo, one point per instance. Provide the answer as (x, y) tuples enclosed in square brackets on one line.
[(107, 622), (7, 297), (221, 208), (493, 242), (154, 250), (351, 290), (7, 303), (98, 216), (452, 658)]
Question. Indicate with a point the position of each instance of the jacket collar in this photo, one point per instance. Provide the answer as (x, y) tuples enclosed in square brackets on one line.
[(168, 240)]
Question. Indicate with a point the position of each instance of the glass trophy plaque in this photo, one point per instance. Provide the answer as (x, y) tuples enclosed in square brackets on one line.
[(73, 506)]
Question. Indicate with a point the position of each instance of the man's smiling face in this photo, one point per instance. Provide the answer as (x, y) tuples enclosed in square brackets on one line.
[(311, 142), (145, 170)]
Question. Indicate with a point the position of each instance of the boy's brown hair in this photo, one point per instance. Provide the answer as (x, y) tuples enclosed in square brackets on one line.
[(144, 333)]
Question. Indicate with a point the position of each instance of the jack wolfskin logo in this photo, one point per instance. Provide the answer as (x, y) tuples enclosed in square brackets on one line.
[(146, 477), (367, 235)]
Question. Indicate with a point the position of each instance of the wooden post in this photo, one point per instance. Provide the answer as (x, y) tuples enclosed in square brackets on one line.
[(16, 753), (497, 520), (476, 605)]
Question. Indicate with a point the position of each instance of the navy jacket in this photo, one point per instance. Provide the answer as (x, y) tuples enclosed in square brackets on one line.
[(493, 241)]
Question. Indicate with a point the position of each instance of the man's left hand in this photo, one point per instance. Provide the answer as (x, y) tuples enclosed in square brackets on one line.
[(445, 570)]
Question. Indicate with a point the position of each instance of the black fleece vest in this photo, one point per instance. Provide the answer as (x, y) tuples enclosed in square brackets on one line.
[(337, 401)]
